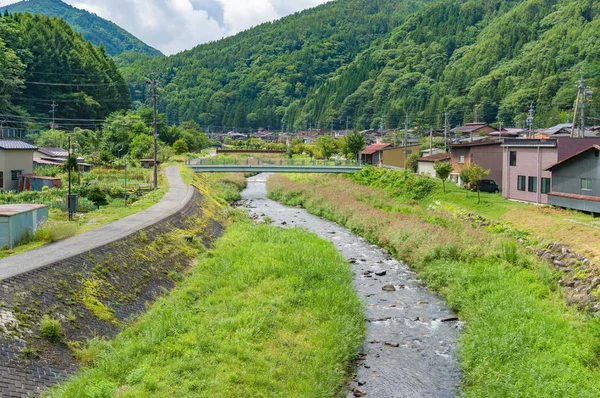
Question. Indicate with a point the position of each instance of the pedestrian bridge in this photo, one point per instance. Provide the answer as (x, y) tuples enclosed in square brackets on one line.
[(274, 166)]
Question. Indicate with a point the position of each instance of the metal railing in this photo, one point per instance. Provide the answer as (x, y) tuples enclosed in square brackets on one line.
[(272, 163)]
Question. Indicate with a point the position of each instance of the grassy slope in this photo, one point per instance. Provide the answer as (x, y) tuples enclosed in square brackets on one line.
[(268, 312), (520, 338)]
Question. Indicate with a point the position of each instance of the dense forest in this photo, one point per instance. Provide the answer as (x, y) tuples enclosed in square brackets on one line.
[(93, 28), (371, 63), (45, 66)]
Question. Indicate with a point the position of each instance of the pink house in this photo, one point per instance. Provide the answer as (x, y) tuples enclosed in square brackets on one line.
[(524, 164)]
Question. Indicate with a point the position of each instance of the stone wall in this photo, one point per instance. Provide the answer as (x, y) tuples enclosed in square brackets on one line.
[(94, 294)]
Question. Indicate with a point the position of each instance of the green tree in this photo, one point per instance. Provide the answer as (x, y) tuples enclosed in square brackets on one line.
[(442, 171), (354, 143), (141, 146), (412, 162), (327, 145), (52, 139), (180, 147), (476, 173)]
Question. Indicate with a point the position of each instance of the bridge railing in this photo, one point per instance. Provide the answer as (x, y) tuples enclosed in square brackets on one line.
[(273, 162)]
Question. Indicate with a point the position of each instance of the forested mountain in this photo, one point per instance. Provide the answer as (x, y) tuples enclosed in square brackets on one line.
[(44, 62), (93, 28), (364, 60)]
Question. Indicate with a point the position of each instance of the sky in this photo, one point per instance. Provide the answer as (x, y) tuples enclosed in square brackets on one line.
[(172, 26)]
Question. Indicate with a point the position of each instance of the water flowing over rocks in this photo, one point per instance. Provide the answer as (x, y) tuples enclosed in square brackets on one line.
[(410, 348)]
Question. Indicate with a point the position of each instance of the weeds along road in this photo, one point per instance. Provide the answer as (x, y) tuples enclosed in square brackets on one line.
[(410, 349)]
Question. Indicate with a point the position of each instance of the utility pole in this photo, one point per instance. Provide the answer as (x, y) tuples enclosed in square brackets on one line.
[(69, 199), (476, 113), (405, 140), (530, 119), (580, 97), (446, 132), (430, 141), (53, 112), (152, 84), (382, 123), (347, 122)]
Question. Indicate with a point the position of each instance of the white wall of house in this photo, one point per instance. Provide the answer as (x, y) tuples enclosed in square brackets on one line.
[(17, 160), (426, 168)]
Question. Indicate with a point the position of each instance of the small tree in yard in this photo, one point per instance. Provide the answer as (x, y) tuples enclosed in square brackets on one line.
[(442, 171), (476, 173), (354, 143), (97, 196), (464, 177), (412, 162)]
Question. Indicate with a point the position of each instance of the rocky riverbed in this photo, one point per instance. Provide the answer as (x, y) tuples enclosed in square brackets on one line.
[(410, 348)]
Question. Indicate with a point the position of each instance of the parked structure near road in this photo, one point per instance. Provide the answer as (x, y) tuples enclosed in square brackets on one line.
[(16, 158), (19, 221), (396, 156), (30, 182), (576, 181), (525, 164), (486, 154), (426, 163)]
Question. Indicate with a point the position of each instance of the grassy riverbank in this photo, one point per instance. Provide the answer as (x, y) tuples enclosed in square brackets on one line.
[(267, 312), (520, 338)]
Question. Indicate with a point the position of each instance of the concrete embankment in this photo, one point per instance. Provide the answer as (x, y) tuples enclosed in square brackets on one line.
[(97, 291)]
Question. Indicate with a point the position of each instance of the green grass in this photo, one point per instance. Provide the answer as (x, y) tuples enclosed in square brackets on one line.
[(267, 313), (520, 338)]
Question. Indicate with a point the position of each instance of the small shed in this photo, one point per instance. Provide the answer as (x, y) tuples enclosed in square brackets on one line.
[(30, 182), (147, 163), (18, 221), (427, 163)]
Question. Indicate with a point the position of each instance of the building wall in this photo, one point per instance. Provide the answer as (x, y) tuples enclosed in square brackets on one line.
[(427, 168), (15, 160), (567, 177), (490, 158), (568, 146), (395, 156), (15, 229), (531, 162)]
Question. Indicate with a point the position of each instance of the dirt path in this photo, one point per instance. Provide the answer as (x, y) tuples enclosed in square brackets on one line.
[(410, 349)]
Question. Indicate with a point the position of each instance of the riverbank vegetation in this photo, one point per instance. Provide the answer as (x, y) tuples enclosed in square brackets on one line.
[(520, 338), (267, 312)]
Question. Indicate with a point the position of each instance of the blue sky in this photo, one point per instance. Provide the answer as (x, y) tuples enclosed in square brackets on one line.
[(176, 25)]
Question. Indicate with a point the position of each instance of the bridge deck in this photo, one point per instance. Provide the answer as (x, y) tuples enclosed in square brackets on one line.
[(266, 168)]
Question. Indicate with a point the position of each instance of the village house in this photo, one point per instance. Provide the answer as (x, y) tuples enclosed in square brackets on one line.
[(395, 157), (16, 158), (373, 154), (488, 155), (525, 163), (472, 130), (576, 181), (426, 163)]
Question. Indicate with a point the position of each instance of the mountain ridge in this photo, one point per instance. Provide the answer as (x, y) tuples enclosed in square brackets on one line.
[(115, 39)]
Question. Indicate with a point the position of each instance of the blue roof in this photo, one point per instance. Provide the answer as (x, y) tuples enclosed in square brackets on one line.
[(16, 144)]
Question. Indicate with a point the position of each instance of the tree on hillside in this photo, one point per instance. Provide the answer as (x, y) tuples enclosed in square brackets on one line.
[(180, 147), (354, 143), (442, 171), (475, 174)]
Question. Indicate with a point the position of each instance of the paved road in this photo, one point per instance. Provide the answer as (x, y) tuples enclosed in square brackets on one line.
[(178, 196)]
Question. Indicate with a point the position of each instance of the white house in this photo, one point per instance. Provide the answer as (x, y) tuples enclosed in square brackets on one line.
[(426, 163), (16, 158)]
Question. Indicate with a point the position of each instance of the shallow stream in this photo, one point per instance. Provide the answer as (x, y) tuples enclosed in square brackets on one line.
[(410, 348)]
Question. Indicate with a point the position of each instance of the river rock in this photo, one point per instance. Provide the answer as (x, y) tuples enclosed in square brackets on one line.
[(388, 288)]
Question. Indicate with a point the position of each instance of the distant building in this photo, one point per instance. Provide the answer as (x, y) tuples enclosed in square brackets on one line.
[(19, 221), (30, 182), (148, 163), (471, 130), (486, 154), (396, 156), (16, 158), (426, 163), (576, 181), (373, 154)]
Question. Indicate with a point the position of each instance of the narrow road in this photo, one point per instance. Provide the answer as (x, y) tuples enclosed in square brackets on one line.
[(410, 349), (175, 199)]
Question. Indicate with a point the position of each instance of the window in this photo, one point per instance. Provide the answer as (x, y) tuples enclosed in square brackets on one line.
[(586, 184), (513, 158), (532, 184), (546, 184), (16, 174), (1, 179), (461, 159), (521, 183)]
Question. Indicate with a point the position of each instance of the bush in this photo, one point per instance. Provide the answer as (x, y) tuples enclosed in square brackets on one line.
[(97, 196), (50, 329)]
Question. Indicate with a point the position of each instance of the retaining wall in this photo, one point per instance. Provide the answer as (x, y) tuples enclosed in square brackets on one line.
[(96, 293)]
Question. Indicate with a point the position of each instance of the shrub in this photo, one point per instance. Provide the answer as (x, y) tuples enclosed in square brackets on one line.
[(97, 196), (50, 329)]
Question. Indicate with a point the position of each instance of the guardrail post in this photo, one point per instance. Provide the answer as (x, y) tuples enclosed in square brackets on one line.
[(281, 162), (291, 162), (246, 162), (302, 162)]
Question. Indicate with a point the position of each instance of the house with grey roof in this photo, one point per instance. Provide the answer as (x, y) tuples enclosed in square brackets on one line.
[(16, 158)]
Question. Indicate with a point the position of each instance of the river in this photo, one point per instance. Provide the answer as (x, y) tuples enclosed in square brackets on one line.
[(410, 348)]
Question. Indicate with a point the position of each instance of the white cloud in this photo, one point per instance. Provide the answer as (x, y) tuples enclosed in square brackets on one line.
[(176, 25)]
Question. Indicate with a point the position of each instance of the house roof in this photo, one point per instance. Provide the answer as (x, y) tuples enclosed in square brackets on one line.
[(470, 127), (470, 144), (558, 128), (436, 157), (11, 210), (15, 144), (39, 177), (54, 152), (47, 162), (371, 149), (593, 147)]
